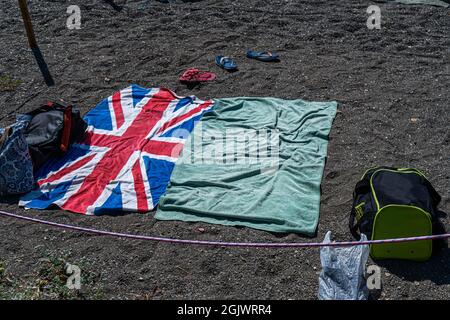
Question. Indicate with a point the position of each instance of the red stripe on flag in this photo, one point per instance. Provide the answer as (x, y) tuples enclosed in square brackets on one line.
[(163, 148), (101, 140), (58, 175), (117, 106), (185, 116), (139, 187)]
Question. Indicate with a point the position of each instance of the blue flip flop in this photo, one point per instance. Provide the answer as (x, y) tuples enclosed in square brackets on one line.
[(226, 63), (265, 56)]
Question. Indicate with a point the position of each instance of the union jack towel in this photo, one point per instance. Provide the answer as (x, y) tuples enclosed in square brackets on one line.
[(125, 161)]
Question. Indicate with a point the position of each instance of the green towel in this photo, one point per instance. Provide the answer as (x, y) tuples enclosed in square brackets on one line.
[(255, 162)]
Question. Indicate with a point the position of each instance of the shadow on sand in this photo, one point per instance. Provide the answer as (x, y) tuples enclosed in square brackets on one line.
[(43, 66)]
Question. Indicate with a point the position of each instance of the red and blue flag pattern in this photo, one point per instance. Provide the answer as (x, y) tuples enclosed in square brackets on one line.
[(125, 161)]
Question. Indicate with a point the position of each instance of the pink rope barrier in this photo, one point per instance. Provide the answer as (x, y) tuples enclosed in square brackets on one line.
[(220, 243)]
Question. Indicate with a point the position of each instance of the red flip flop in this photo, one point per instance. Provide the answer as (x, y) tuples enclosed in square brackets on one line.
[(193, 75)]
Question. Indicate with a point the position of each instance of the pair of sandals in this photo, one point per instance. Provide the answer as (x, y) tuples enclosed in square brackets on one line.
[(193, 75), (228, 63)]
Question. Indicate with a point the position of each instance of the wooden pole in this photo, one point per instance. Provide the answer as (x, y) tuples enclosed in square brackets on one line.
[(27, 22)]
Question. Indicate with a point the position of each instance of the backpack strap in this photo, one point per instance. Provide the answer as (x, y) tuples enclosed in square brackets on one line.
[(67, 128), (354, 225), (362, 187)]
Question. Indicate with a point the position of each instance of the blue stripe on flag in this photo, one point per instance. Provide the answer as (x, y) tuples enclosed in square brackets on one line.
[(112, 205), (184, 130), (158, 172), (99, 117), (138, 93), (41, 200), (183, 102)]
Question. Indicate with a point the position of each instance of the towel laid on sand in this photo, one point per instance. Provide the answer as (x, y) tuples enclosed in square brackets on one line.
[(255, 162)]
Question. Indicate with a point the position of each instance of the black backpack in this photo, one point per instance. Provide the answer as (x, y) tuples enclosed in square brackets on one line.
[(395, 203), (52, 129)]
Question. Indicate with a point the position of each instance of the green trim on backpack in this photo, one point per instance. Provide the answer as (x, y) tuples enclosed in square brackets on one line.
[(359, 211)]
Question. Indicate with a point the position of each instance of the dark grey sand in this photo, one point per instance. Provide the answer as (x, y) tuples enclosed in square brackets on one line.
[(381, 79)]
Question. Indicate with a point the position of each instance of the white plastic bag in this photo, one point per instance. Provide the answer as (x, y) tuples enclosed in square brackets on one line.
[(342, 276)]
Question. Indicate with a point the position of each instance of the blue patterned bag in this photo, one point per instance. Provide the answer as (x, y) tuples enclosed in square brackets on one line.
[(16, 168)]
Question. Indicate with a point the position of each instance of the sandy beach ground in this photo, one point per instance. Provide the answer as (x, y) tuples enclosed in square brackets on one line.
[(391, 85)]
